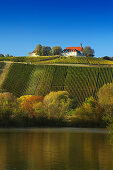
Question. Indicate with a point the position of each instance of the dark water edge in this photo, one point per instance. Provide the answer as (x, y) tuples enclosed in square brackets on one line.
[(6, 123), (54, 129), (55, 149)]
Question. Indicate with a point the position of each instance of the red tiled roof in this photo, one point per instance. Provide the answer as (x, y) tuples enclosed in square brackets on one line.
[(74, 48), (34, 51)]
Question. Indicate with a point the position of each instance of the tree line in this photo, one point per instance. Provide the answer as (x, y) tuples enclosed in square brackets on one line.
[(47, 51), (56, 50), (7, 55)]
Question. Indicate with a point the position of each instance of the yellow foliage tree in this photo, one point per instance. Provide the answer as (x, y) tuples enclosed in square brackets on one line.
[(56, 104)]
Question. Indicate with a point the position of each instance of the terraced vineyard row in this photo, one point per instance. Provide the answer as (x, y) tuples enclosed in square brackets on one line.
[(2, 64), (80, 82), (17, 78), (79, 60), (59, 59)]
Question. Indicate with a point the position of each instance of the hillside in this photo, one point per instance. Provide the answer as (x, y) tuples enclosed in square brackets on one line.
[(58, 59), (80, 82)]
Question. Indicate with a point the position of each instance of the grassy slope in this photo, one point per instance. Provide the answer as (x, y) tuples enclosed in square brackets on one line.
[(80, 82)]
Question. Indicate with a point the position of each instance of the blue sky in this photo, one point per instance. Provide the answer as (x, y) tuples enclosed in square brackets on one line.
[(26, 23)]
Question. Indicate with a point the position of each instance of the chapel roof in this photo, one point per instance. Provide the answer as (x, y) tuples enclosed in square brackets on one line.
[(74, 48)]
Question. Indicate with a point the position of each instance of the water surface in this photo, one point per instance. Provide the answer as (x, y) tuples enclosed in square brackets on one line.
[(55, 149)]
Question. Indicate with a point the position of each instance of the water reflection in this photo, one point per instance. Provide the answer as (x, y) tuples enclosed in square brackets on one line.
[(55, 149)]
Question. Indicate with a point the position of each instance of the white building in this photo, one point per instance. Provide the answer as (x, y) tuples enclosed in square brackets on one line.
[(73, 51), (33, 54)]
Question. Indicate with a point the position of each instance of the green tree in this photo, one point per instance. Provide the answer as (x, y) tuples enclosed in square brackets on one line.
[(43, 51), (88, 51), (48, 51), (1, 55), (38, 49), (57, 50), (7, 55), (107, 58)]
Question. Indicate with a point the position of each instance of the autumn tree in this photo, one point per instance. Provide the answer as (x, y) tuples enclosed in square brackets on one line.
[(31, 105), (56, 104)]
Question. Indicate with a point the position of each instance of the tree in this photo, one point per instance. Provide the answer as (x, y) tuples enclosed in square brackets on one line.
[(1, 55), (57, 50), (48, 50), (8, 104), (43, 51), (105, 98), (88, 51), (7, 55), (107, 58), (56, 104), (30, 105), (38, 49), (90, 110), (105, 95)]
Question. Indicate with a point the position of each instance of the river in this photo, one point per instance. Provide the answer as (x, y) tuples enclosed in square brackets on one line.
[(55, 149)]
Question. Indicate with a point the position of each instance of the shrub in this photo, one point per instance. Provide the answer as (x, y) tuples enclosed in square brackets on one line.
[(105, 95), (56, 104), (8, 104), (23, 98), (90, 110), (31, 106), (105, 98)]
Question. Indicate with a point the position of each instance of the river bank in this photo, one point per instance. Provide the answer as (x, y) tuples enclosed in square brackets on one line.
[(25, 122)]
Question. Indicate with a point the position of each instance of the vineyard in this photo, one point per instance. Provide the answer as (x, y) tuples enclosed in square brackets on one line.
[(16, 79), (80, 82), (2, 65), (58, 59), (28, 59), (78, 60)]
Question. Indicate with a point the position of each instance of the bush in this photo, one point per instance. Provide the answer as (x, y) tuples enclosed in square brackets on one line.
[(56, 104), (90, 110), (22, 99), (8, 104), (32, 105), (105, 95), (105, 98)]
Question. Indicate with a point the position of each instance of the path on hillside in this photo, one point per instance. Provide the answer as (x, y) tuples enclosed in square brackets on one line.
[(77, 65), (60, 64), (4, 72)]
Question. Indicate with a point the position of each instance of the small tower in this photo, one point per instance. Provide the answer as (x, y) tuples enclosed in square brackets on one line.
[(80, 45)]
